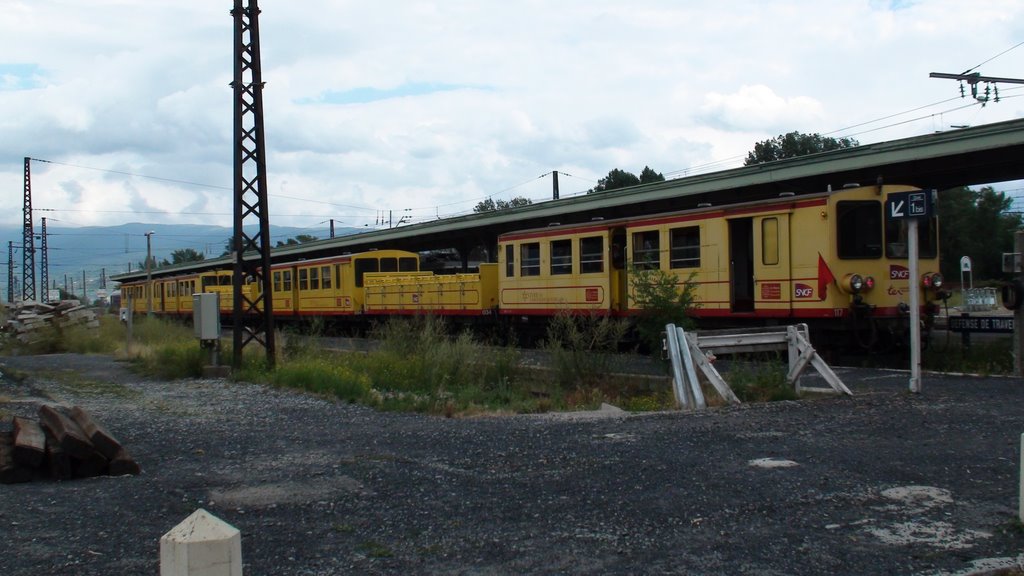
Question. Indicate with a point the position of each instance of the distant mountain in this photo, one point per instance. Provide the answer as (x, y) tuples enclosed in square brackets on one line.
[(100, 251)]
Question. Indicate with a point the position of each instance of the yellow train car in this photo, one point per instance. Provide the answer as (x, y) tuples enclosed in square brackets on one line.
[(333, 286), (465, 294), (220, 282), (133, 296), (557, 268), (832, 258)]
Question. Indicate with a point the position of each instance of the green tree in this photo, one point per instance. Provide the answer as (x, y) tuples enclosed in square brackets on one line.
[(648, 176), (298, 239), (978, 224), (184, 255), (490, 205), (795, 144), (614, 180), (621, 179)]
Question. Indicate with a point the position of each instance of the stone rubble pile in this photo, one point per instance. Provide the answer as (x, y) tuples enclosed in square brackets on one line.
[(26, 319)]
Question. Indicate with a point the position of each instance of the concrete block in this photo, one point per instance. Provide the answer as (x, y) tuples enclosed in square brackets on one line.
[(202, 545)]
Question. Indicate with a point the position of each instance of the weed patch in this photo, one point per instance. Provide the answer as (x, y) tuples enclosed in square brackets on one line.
[(762, 381), (985, 357)]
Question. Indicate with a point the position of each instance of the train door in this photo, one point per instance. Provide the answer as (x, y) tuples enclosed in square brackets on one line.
[(741, 265), (619, 281), (774, 290)]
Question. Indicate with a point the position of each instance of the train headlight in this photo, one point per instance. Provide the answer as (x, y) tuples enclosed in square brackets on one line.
[(853, 283), (932, 280)]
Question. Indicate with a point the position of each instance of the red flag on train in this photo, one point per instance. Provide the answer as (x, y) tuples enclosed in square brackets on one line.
[(825, 277)]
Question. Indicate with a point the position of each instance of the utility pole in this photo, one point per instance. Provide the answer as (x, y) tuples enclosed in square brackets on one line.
[(28, 287), (973, 79), (554, 184), (44, 266), (10, 272), (149, 274), (332, 227), (253, 314)]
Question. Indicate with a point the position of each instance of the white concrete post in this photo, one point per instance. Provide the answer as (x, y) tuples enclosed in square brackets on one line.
[(202, 545)]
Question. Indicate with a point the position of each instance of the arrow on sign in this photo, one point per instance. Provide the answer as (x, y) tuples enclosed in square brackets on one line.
[(896, 209)]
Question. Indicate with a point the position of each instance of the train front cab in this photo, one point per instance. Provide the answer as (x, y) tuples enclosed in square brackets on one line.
[(872, 269)]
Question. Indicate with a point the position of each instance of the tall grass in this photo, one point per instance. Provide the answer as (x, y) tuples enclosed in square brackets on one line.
[(583, 347), (761, 380), (984, 356)]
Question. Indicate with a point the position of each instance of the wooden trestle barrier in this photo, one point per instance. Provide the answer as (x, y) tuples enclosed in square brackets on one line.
[(689, 351)]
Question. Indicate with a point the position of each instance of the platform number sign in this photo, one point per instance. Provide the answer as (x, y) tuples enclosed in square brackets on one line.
[(903, 205)]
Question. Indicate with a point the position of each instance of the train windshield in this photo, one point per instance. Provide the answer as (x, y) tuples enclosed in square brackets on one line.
[(859, 229), (896, 238)]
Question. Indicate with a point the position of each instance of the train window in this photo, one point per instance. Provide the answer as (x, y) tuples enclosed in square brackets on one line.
[(770, 241), (510, 260), (314, 278), (286, 280), (389, 264), (646, 250), (364, 265), (225, 280), (591, 255), (896, 238), (529, 259), (408, 264), (325, 277), (303, 279), (561, 257), (685, 247), (209, 281), (859, 229)]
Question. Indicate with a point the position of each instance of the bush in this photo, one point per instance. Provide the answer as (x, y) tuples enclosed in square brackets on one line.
[(656, 293)]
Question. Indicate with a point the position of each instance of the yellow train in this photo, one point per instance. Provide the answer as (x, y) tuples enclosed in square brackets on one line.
[(831, 259)]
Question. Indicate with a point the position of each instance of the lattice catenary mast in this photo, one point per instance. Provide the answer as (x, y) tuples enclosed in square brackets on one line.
[(253, 317), (28, 272)]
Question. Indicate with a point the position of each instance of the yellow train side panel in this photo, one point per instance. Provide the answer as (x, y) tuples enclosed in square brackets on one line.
[(422, 292)]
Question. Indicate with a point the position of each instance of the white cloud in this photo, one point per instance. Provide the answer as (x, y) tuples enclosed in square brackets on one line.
[(759, 108)]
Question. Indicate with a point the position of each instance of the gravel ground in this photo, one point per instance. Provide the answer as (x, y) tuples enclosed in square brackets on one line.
[(882, 483)]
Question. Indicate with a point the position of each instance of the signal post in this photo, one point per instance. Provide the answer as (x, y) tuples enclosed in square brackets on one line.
[(912, 206)]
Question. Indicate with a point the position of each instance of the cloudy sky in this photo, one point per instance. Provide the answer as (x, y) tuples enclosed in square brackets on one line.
[(421, 109)]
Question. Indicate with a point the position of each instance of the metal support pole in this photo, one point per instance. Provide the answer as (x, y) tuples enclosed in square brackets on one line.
[(44, 266), (915, 308), (253, 315), (10, 272), (28, 274), (149, 274), (1018, 314)]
